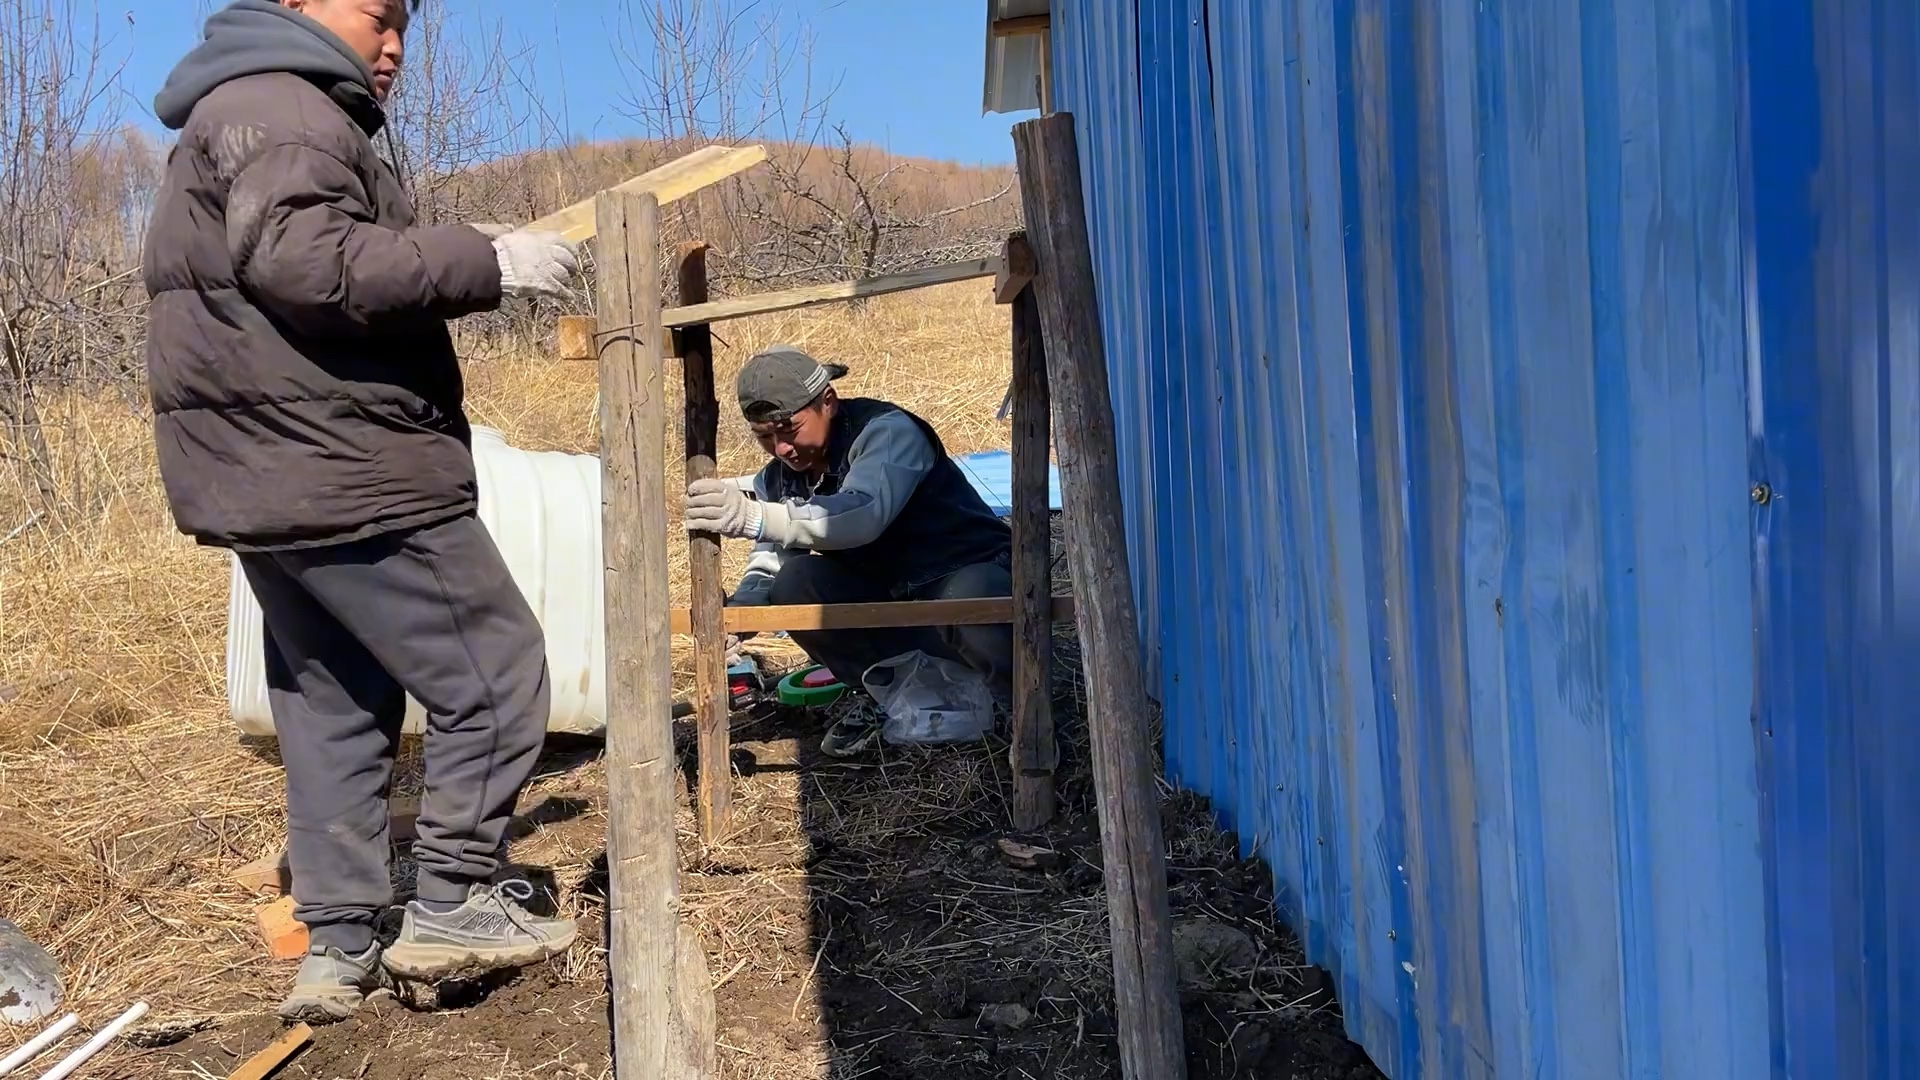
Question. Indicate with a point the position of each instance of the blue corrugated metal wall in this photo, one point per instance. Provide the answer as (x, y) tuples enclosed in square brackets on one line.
[(1429, 350), (1834, 246)]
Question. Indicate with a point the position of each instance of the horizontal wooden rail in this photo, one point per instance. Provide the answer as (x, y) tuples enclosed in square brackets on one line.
[(1020, 24), (677, 179), (741, 307), (892, 614)]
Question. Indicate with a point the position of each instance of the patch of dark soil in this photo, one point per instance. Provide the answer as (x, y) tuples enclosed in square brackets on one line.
[(535, 1023)]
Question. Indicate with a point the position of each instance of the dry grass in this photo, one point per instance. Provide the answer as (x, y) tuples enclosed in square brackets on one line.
[(125, 795)]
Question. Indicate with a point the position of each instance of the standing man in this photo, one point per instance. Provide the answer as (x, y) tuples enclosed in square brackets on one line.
[(308, 416), (860, 504)]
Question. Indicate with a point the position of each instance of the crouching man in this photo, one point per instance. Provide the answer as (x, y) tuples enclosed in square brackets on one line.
[(860, 504), (308, 416)]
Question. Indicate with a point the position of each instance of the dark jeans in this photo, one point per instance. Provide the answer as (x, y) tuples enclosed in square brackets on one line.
[(817, 579), (350, 630)]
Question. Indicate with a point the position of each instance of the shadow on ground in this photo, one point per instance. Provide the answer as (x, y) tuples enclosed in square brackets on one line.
[(866, 920)]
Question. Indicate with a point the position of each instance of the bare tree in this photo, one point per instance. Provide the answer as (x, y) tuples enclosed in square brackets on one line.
[(823, 208), (463, 105), (73, 187), (844, 211)]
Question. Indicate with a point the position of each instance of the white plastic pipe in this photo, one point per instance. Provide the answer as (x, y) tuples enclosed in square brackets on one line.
[(94, 1045), (39, 1043)]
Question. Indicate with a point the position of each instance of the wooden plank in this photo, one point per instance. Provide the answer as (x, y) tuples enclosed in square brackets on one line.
[(677, 179), (1020, 24), (1034, 754), (1016, 269), (696, 1034), (889, 614), (642, 860), (713, 708), (574, 334), (269, 873), (811, 295), (1147, 1004), (262, 1065)]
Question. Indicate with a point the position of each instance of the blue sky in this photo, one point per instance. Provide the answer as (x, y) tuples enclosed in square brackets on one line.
[(907, 72)]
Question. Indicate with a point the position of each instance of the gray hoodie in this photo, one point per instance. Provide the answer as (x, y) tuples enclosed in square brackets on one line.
[(259, 37)]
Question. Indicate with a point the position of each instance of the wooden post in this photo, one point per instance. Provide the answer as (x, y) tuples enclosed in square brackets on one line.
[(712, 703), (1034, 753), (1146, 999), (658, 1004)]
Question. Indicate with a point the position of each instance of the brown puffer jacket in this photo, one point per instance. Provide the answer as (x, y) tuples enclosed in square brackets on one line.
[(305, 388)]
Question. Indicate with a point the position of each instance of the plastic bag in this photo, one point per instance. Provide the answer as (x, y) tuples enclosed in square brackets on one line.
[(929, 700)]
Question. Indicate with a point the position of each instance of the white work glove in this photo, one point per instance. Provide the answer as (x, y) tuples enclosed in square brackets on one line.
[(720, 506), (536, 263), (490, 230)]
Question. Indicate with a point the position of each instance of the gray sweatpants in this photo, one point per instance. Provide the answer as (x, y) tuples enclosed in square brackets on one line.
[(350, 630), (816, 579)]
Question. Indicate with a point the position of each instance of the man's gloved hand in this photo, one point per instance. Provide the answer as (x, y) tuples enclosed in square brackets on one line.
[(490, 230), (536, 263), (719, 506)]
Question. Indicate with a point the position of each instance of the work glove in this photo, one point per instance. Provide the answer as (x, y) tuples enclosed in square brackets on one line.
[(720, 506), (491, 231), (536, 263)]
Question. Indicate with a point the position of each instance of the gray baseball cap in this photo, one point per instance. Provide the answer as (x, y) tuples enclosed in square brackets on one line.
[(780, 380)]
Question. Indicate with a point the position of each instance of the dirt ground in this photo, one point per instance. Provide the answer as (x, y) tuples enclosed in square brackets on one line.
[(865, 924), (862, 924)]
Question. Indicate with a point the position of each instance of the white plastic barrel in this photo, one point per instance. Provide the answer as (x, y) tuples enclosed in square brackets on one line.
[(543, 510)]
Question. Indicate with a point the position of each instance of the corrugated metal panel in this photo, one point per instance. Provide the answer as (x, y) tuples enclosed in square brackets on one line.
[(1427, 341), (1835, 252), (1102, 84)]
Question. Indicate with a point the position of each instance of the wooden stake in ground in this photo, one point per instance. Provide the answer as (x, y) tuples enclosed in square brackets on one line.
[(712, 702), (1146, 999), (1034, 754), (656, 995)]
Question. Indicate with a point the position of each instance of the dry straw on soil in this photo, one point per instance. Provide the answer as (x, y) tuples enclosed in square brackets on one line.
[(125, 795)]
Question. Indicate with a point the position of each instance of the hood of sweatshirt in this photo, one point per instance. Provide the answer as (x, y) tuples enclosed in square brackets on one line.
[(258, 37)]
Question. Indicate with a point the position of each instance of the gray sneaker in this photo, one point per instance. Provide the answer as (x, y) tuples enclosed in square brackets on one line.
[(490, 931), (331, 985)]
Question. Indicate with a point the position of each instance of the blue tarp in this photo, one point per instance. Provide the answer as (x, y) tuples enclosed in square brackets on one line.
[(991, 472)]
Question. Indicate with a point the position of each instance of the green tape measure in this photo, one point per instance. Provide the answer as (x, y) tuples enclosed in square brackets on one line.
[(809, 686)]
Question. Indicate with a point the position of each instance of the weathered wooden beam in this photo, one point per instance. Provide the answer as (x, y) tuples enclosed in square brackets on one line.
[(1020, 24), (1147, 1003), (675, 180), (1034, 754), (653, 1004), (811, 295), (1016, 270), (712, 701), (888, 614)]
